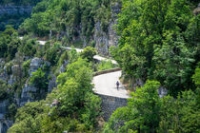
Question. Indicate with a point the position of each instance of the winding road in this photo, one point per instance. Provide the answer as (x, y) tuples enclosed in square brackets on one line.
[(105, 84)]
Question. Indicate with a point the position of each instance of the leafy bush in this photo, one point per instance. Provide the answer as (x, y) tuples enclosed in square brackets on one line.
[(8, 67), (28, 48), (25, 67), (3, 90), (104, 65), (53, 54), (88, 53), (40, 80)]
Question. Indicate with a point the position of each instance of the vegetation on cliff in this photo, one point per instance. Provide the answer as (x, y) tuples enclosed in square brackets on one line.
[(68, 20), (159, 41), (14, 12), (71, 107), (158, 44)]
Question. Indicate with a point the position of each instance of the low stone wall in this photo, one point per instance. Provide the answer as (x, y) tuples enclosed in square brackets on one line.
[(110, 104), (106, 71)]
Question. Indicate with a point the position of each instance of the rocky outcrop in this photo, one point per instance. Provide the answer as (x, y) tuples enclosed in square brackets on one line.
[(13, 9), (3, 107), (63, 66), (3, 74), (197, 10), (29, 90), (52, 83), (4, 123), (104, 40), (162, 91), (2, 63), (26, 94), (35, 64), (101, 39)]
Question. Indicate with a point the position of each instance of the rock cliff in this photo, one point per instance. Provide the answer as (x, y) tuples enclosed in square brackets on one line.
[(104, 40), (27, 90), (13, 9)]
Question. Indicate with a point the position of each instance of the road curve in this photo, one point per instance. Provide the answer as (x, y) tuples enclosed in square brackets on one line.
[(100, 58), (97, 57), (106, 84)]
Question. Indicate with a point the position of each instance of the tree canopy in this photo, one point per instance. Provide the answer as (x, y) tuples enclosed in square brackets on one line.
[(158, 45), (155, 42)]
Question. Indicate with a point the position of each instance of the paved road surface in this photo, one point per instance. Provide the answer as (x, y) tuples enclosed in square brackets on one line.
[(98, 57), (106, 84), (39, 41), (70, 48)]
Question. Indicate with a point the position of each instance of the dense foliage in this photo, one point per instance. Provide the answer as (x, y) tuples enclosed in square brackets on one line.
[(158, 44), (159, 40), (11, 14), (9, 43), (76, 109), (147, 113), (68, 20)]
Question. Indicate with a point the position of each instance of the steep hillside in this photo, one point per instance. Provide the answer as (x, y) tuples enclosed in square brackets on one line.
[(79, 23), (159, 48), (15, 12), (45, 88), (29, 71)]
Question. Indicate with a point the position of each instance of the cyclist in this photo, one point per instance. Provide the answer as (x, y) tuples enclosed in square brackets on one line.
[(117, 83)]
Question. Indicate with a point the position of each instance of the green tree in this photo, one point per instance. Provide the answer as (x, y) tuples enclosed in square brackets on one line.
[(141, 113), (75, 95), (28, 118), (196, 76), (53, 53), (174, 65), (40, 81), (88, 53), (28, 47), (180, 115), (3, 90), (153, 33), (75, 86), (73, 55), (105, 65)]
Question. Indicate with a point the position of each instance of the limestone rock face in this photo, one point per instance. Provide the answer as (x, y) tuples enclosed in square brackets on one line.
[(26, 95), (15, 69), (3, 74), (2, 63), (63, 66), (29, 90), (162, 91), (52, 83), (11, 80), (12, 9), (3, 107), (35, 64), (105, 40), (196, 11), (101, 39), (4, 123)]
